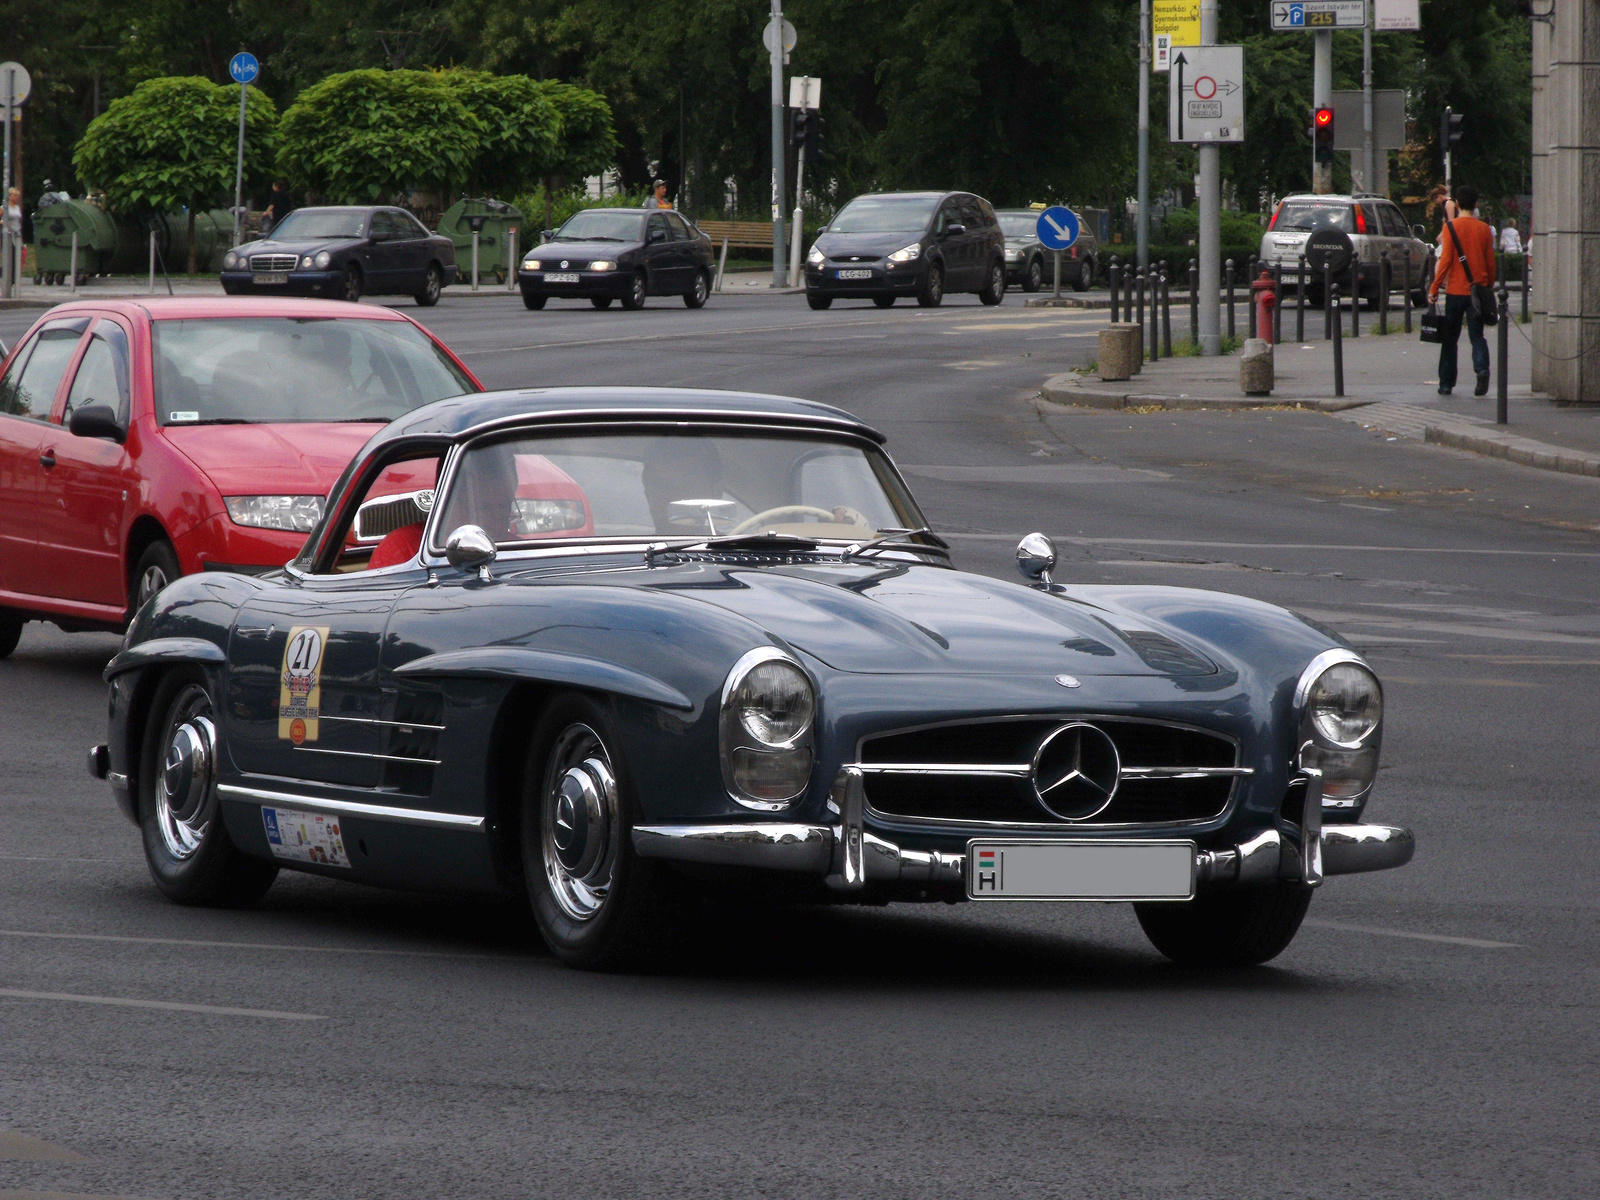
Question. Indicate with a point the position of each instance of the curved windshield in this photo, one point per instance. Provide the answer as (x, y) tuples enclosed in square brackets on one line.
[(266, 370), (598, 225), (1019, 225), (885, 214), (679, 485), (307, 224)]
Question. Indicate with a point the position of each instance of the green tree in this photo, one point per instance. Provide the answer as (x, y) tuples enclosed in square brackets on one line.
[(521, 130), (364, 135), (173, 143)]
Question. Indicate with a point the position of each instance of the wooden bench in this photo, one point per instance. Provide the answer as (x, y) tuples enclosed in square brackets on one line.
[(753, 235)]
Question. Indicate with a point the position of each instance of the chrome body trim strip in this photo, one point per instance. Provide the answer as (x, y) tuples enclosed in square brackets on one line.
[(1187, 772), (460, 822), (783, 847), (1352, 849), (387, 724), (1016, 770), (421, 762)]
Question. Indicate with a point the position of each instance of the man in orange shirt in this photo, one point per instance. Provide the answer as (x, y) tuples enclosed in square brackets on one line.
[(1477, 247)]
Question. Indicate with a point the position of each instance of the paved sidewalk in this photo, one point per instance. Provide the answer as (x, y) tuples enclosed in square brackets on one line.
[(1390, 382)]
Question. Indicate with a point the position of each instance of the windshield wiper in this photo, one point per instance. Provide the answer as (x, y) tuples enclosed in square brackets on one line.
[(900, 539), (216, 421)]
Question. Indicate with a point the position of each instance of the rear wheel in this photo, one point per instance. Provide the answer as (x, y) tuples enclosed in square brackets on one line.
[(1085, 276), (1033, 276), (157, 567), (819, 302), (352, 288), (186, 846), (994, 290), (1419, 294), (10, 632), (883, 301), (634, 300), (432, 285), (1240, 928), (600, 301), (597, 903), (529, 300), (931, 291), (697, 295)]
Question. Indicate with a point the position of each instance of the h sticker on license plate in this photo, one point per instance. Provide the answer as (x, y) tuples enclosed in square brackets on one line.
[(854, 275), (1081, 870), (561, 277)]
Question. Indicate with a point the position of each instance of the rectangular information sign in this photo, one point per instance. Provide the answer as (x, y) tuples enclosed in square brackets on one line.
[(1300, 16), (1179, 19), (1392, 15), (1205, 95)]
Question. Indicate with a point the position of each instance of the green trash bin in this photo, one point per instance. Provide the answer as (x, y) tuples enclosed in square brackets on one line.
[(496, 222)]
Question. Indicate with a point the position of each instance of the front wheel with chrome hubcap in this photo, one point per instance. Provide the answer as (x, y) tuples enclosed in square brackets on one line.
[(595, 900), (190, 855)]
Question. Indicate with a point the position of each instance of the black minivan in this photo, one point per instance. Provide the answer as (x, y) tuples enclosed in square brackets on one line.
[(923, 244)]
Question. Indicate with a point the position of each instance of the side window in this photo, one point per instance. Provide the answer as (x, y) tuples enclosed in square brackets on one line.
[(410, 227), (383, 227), (658, 225), (1393, 223), (989, 219), (102, 376), (679, 231), (972, 215), (949, 214), (29, 388)]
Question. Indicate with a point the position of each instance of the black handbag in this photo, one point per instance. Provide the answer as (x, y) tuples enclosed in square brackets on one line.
[(1482, 294), (1432, 325)]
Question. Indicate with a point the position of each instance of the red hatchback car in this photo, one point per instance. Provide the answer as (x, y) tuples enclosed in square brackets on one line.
[(143, 440)]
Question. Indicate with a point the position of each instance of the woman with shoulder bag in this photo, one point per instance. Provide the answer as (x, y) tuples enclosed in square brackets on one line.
[(1466, 273)]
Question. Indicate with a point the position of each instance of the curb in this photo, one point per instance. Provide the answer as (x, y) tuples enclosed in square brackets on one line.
[(1064, 389), (1527, 451)]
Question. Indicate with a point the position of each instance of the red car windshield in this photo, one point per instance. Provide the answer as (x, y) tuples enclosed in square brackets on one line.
[(272, 370)]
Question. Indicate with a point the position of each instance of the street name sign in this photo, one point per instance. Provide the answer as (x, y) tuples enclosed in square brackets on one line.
[(1179, 19), (1058, 228), (243, 67), (1301, 16), (1205, 94)]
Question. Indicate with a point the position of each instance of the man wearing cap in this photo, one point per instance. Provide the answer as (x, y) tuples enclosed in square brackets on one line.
[(661, 194)]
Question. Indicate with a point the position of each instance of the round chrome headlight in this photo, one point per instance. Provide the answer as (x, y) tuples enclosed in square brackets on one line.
[(1345, 703), (774, 702)]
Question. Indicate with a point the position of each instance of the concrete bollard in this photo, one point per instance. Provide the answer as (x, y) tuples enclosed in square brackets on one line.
[(1255, 368), (1121, 351)]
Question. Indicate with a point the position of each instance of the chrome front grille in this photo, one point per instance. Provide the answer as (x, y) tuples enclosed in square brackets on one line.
[(385, 514), (272, 262), (980, 773)]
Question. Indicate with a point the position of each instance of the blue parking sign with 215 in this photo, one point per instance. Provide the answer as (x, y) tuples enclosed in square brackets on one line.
[(1295, 16)]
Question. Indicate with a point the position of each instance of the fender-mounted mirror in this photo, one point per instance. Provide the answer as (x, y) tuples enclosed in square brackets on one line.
[(1036, 558)]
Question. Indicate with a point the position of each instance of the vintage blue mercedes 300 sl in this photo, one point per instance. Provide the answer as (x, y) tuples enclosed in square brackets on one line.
[(627, 643)]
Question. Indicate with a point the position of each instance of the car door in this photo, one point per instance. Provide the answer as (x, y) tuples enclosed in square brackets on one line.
[(1403, 247), (383, 238), (86, 493), (951, 246), (410, 249), (27, 398), (658, 256)]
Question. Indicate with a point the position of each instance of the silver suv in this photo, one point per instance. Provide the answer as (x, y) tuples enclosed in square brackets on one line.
[(1375, 227)]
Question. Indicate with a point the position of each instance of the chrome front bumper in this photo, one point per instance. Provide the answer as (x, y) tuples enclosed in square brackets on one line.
[(850, 857)]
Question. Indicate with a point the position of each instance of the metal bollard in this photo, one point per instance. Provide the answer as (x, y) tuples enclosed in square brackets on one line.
[(1338, 344), (1277, 303), (1327, 304), (1227, 284), (1166, 311), (1405, 289), (474, 260), (1503, 340), (1300, 300), (722, 263), (1384, 282), (1138, 288), (1355, 301), (152, 262), (1155, 314), (514, 263), (1114, 274), (74, 262), (1194, 301)]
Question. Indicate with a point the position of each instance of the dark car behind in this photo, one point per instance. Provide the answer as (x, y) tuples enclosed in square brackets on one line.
[(626, 254), (923, 244), (1032, 266), (344, 253)]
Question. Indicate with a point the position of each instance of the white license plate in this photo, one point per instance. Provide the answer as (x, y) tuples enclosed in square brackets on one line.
[(561, 277), (1080, 870), (271, 277), (855, 275)]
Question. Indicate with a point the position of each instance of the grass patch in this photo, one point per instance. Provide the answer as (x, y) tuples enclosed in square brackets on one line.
[(1190, 348)]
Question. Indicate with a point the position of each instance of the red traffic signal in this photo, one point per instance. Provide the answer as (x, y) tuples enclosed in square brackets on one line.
[(1322, 134)]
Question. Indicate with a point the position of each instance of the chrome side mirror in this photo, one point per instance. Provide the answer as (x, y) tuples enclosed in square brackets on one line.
[(1036, 558), (469, 548)]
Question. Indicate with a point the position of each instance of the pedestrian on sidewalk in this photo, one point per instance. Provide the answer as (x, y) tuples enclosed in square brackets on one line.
[(661, 200), (1464, 237), (279, 205)]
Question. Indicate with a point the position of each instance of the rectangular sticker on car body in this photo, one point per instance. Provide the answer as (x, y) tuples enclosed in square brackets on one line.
[(300, 683), (304, 837)]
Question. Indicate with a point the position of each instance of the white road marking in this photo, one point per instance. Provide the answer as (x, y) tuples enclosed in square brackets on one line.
[(211, 1010), (289, 946), (1480, 943)]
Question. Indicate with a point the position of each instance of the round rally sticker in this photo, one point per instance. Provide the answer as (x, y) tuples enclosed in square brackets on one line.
[(297, 731)]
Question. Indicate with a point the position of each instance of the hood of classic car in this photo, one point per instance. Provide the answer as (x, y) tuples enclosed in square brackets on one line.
[(900, 618)]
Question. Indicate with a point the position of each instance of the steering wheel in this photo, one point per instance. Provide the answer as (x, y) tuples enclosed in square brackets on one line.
[(794, 510)]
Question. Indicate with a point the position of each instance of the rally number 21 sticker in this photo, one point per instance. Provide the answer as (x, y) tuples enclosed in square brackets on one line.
[(300, 683)]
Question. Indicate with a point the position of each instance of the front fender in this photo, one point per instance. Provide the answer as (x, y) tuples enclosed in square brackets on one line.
[(545, 666)]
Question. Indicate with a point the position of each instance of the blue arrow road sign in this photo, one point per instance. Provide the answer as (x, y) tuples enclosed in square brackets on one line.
[(1058, 228), (243, 67)]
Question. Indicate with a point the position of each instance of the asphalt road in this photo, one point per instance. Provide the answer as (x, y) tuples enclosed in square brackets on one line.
[(1431, 1032)]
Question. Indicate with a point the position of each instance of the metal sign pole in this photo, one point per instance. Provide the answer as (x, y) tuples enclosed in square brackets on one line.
[(777, 144), (1321, 97), (1369, 168), (797, 221), (5, 192), (1210, 216), (238, 173), (1143, 219)]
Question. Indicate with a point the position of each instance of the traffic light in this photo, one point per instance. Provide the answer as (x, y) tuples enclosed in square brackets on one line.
[(814, 138), (1449, 131), (1322, 134), (799, 126)]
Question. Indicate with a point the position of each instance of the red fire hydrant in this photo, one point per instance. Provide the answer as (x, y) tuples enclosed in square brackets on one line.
[(1265, 300)]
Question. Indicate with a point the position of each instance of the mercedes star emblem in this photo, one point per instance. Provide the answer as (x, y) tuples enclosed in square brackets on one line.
[(1075, 771)]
